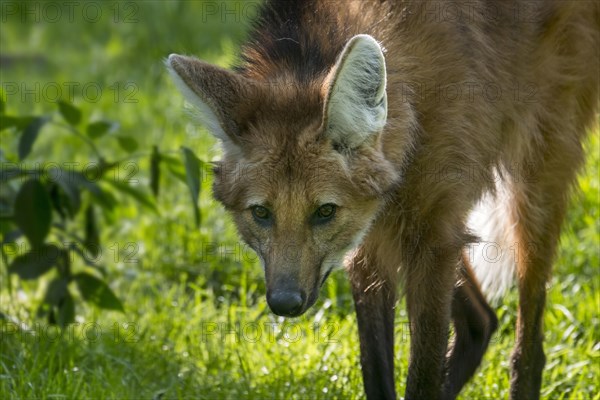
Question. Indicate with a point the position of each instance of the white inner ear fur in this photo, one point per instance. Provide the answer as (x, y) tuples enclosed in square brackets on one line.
[(202, 111), (356, 105)]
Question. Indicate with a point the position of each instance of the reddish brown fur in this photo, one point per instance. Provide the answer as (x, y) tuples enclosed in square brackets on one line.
[(545, 61)]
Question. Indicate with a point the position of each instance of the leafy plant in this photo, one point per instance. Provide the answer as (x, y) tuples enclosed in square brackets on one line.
[(57, 209)]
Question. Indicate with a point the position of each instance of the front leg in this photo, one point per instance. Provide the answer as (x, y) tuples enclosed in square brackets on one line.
[(374, 292), (429, 283)]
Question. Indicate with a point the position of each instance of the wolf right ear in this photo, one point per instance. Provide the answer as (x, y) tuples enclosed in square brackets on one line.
[(356, 100), (220, 97)]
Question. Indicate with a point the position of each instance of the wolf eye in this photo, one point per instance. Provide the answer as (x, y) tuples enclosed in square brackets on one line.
[(325, 212), (260, 213)]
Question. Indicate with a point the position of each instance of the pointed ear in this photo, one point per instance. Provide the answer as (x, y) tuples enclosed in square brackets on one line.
[(356, 101), (221, 98)]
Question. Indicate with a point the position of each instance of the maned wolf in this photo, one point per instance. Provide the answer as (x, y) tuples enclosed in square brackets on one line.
[(402, 134)]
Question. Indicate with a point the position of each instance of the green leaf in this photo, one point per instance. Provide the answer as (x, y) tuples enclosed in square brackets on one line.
[(84, 256), (135, 193), (7, 121), (9, 233), (175, 167), (178, 173), (192, 173), (36, 262), (98, 129), (70, 113), (69, 188), (97, 292), (64, 264), (104, 198), (8, 172), (58, 200), (66, 310), (92, 236), (29, 136), (155, 171), (57, 290), (33, 211), (127, 143), (2, 105)]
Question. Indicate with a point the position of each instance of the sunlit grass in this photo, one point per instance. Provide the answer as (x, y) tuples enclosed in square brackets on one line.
[(196, 323)]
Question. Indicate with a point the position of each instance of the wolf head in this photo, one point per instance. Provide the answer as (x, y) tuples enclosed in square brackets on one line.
[(303, 172)]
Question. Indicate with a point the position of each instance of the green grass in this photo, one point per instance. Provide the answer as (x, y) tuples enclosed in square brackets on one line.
[(196, 323)]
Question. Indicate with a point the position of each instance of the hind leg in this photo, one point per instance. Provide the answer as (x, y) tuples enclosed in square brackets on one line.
[(474, 323), (528, 357), (540, 206), (534, 263)]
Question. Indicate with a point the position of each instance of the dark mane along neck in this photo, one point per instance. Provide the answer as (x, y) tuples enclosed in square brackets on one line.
[(300, 39)]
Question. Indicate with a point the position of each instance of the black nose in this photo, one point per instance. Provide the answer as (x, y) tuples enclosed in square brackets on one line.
[(285, 303)]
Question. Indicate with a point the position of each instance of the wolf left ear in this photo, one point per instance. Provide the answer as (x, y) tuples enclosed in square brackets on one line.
[(356, 100)]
